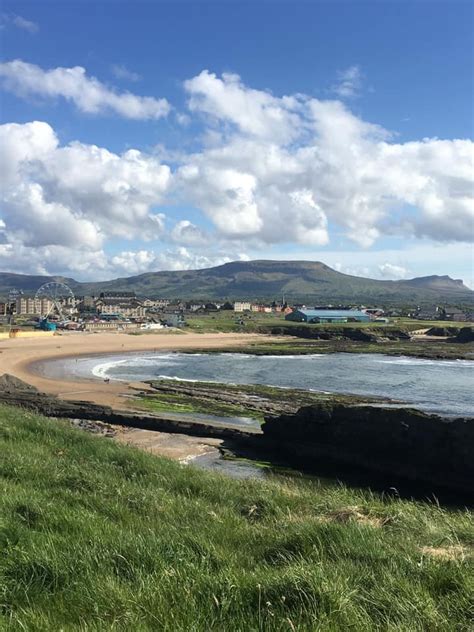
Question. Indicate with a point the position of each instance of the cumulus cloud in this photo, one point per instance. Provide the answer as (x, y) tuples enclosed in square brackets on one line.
[(255, 112), (269, 170), (186, 233), (78, 194), (283, 169), (392, 271), (98, 265), (134, 262), (87, 93)]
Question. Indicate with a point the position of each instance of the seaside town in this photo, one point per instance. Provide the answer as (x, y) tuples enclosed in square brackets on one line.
[(236, 316), (54, 306)]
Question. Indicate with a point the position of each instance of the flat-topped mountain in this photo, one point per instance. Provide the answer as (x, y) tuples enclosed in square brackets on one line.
[(296, 280)]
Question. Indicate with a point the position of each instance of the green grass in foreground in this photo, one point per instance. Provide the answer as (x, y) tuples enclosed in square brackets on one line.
[(98, 536)]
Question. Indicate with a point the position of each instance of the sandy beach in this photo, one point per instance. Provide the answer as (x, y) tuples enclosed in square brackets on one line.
[(18, 357)]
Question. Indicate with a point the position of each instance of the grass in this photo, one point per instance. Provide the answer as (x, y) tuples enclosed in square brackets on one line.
[(229, 321), (184, 404), (202, 397), (98, 536)]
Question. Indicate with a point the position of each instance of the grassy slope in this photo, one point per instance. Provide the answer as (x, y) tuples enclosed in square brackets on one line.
[(97, 536)]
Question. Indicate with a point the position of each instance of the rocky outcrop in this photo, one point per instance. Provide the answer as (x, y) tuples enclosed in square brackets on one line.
[(386, 441), (355, 334), (442, 331), (209, 394), (466, 334), (398, 443), (18, 393)]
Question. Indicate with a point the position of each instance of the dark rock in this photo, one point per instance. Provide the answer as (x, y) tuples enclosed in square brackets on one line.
[(466, 334), (11, 384), (442, 331), (398, 442)]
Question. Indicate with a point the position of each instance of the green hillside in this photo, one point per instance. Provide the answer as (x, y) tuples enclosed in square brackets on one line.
[(296, 280), (98, 536)]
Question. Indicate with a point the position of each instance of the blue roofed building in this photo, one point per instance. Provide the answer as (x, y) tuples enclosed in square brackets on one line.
[(328, 316)]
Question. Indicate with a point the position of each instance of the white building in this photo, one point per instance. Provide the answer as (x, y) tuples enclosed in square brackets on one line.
[(28, 306), (241, 306)]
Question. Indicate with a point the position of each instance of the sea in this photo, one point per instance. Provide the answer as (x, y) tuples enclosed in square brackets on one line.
[(436, 386)]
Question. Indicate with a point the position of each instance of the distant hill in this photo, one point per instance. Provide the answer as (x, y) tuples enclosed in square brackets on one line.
[(296, 280)]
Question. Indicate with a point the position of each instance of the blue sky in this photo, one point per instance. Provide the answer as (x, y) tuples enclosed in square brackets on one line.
[(198, 132)]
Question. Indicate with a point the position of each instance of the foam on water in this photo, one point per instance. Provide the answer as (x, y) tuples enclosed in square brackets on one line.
[(434, 385), (102, 370)]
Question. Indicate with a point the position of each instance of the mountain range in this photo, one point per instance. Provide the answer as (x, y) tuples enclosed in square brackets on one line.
[(270, 280)]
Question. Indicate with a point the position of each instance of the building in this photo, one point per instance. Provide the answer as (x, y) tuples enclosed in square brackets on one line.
[(157, 303), (327, 316), (261, 309), (455, 315), (127, 308), (119, 296), (174, 320), (29, 306), (242, 306), (86, 305)]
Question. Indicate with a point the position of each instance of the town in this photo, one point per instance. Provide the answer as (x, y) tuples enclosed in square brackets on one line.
[(54, 306)]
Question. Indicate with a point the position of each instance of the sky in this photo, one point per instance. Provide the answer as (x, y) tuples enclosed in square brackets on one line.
[(142, 136)]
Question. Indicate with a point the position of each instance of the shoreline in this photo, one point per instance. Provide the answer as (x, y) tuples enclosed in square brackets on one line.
[(20, 357)]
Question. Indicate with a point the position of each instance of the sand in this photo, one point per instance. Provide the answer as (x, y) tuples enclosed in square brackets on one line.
[(19, 355)]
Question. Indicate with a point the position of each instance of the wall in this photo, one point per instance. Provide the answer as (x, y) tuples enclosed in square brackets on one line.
[(25, 334)]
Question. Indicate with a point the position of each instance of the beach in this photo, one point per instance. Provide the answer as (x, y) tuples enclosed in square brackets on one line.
[(19, 357)]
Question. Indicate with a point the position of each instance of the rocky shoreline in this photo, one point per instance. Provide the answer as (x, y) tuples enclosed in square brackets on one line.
[(331, 434)]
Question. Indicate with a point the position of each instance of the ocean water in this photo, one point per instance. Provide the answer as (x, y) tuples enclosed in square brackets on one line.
[(441, 386)]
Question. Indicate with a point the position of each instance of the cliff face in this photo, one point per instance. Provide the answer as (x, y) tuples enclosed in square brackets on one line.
[(394, 442)]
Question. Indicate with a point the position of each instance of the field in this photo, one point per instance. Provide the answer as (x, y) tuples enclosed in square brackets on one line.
[(252, 321), (255, 322), (98, 536)]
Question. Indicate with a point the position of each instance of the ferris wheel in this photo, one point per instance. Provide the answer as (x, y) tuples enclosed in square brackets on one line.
[(54, 298)]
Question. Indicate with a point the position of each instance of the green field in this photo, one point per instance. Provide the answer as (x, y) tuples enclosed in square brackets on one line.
[(98, 536), (253, 321)]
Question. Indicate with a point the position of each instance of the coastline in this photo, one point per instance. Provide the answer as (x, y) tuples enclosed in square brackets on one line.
[(21, 357)]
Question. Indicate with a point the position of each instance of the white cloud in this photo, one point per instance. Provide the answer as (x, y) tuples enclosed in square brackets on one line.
[(188, 234), (26, 25), (18, 21), (254, 112), (270, 170), (122, 72), (392, 271), (77, 195), (267, 153), (349, 82), (136, 262), (87, 93), (98, 265)]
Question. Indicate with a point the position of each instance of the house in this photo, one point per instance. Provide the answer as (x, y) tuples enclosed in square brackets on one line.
[(155, 302), (174, 320), (428, 314), (242, 306), (126, 308), (455, 315), (327, 316)]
